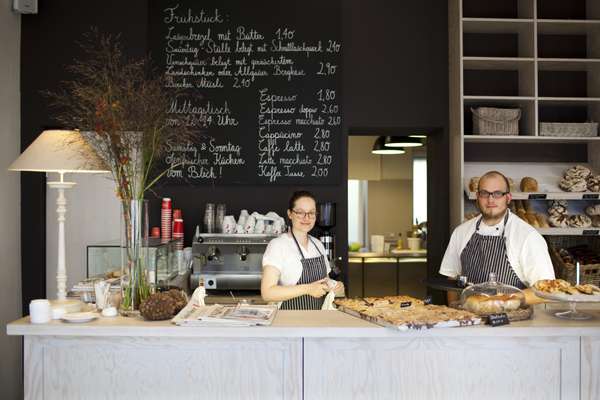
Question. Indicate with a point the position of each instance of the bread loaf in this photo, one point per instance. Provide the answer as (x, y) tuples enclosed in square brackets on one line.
[(529, 184), (578, 171), (532, 220), (474, 184), (593, 183), (558, 220), (482, 304), (593, 210), (573, 184), (579, 221), (520, 207), (542, 220)]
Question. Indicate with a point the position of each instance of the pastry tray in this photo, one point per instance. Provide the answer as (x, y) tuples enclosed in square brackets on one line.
[(410, 326), (570, 298)]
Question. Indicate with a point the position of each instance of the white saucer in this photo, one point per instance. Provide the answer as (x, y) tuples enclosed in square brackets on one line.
[(79, 317)]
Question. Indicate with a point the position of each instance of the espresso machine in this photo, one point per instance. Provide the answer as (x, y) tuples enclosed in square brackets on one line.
[(326, 222), (228, 261)]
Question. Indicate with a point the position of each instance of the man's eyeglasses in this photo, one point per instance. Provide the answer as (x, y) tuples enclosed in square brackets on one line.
[(304, 214), (497, 194)]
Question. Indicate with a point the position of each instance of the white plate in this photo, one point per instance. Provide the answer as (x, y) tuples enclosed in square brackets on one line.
[(572, 298), (79, 317)]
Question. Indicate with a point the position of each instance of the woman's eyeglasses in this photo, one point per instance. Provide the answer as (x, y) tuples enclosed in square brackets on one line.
[(304, 214), (497, 194)]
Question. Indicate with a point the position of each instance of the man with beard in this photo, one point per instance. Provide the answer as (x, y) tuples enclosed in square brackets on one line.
[(497, 241)]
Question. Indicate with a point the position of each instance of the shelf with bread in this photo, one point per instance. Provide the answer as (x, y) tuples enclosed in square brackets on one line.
[(544, 181), (540, 60), (554, 217)]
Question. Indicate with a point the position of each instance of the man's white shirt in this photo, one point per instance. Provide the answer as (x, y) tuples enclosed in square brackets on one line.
[(526, 248)]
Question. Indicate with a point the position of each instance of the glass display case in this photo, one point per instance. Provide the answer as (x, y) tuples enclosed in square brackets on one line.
[(103, 259), (491, 297)]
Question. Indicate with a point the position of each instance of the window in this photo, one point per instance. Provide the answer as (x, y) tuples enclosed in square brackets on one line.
[(357, 205), (419, 190)]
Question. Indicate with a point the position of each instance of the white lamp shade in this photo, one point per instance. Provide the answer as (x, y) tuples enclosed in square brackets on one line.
[(59, 151)]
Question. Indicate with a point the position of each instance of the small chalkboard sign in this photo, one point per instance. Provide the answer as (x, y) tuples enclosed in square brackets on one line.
[(590, 232), (537, 196), (428, 300), (498, 319), (405, 304), (590, 196)]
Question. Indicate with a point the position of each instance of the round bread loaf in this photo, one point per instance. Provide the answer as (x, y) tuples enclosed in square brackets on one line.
[(474, 184), (529, 184), (558, 221), (557, 207), (578, 171), (593, 183), (563, 203), (579, 221), (596, 221), (569, 184), (593, 210), (482, 304)]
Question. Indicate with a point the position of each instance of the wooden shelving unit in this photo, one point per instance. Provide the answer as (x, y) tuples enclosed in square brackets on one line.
[(534, 55)]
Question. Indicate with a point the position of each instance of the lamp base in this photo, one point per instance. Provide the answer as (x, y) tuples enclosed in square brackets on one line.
[(69, 305)]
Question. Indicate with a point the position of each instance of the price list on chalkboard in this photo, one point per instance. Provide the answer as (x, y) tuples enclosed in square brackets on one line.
[(260, 84)]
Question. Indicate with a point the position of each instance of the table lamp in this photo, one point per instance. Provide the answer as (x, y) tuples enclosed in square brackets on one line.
[(60, 151)]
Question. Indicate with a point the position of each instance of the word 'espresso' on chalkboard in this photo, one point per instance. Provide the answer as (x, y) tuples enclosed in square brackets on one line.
[(263, 90)]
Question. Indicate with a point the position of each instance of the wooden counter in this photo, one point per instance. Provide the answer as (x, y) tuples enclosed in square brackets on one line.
[(311, 355)]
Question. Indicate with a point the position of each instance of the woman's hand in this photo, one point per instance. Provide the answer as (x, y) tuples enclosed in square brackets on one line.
[(317, 289), (339, 289)]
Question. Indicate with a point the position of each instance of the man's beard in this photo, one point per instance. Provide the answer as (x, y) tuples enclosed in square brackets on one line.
[(493, 213)]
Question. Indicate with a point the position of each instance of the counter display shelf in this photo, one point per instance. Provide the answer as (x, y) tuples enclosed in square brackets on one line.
[(311, 355)]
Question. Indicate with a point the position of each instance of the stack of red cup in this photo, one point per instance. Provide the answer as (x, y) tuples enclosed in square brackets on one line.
[(166, 219), (177, 214), (178, 233), (155, 232)]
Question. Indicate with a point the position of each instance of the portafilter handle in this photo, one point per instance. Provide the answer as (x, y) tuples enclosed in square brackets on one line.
[(213, 253), (244, 251)]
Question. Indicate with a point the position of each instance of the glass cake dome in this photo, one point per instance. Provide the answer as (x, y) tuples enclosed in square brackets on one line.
[(491, 297)]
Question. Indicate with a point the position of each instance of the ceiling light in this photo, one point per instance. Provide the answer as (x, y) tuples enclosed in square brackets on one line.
[(402, 141), (379, 147), (418, 136)]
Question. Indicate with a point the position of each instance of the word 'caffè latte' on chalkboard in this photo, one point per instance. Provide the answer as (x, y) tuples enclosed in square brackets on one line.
[(260, 83)]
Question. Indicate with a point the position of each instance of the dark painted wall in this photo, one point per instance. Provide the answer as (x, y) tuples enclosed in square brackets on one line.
[(395, 74)]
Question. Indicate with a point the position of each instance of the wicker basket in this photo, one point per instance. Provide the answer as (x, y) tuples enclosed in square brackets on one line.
[(496, 121), (569, 129), (589, 273)]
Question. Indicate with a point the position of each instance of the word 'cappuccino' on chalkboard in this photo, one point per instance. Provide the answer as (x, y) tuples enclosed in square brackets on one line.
[(259, 82)]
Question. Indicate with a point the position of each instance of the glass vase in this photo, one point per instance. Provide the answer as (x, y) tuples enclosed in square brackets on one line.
[(135, 287)]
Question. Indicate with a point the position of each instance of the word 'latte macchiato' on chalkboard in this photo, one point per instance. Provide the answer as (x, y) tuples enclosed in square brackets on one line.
[(260, 83)]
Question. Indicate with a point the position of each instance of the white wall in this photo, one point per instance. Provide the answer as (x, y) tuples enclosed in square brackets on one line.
[(93, 217), (10, 212)]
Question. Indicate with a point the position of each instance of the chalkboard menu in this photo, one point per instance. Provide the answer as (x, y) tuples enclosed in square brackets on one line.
[(260, 84)]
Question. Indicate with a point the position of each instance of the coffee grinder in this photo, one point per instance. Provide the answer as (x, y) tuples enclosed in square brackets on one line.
[(326, 223)]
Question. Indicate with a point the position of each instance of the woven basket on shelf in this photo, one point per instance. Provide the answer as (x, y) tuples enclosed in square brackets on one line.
[(569, 129), (496, 121), (588, 273)]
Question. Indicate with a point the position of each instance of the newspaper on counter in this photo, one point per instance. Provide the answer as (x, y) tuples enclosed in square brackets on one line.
[(196, 313)]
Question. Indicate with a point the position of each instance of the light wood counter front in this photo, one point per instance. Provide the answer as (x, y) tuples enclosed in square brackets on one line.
[(311, 355)]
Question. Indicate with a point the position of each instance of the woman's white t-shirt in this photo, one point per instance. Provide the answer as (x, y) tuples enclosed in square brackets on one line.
[(282, 253)]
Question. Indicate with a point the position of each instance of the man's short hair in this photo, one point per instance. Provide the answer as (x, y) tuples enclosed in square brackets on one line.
[(489, 174)]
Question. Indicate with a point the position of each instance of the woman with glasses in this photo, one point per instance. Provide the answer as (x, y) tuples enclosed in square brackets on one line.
[(295, 267), (497, 241)]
